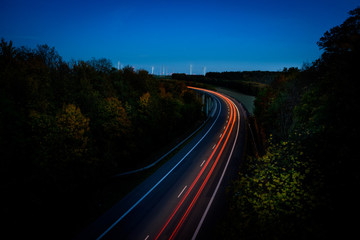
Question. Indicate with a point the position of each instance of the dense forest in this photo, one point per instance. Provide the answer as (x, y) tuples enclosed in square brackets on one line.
[(65, 126), (305, 185)]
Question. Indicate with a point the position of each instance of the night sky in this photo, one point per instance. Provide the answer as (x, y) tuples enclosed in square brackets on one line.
[(170, 35)]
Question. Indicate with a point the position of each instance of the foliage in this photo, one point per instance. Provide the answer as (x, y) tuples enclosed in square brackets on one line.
[(275, 194), (343, 38), (65, 127), (297, 189), (73, 127), (115, 121)]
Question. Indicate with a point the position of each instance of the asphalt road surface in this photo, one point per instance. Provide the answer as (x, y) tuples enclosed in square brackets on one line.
[(182, 198)]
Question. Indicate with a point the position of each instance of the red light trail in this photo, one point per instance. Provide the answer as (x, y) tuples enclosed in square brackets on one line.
[(227, 133)]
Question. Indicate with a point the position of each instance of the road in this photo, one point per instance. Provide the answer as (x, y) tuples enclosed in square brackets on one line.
[(180, 198)]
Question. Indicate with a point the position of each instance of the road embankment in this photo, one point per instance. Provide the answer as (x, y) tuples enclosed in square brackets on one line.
[(246, 100)]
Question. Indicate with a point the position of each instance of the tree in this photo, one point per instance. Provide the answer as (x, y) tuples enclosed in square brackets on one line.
[(73, 129), (115, 121), (320, 103), (343, 38), (49, 56), (274, 196), (65, 127), (101, 65), (7, 52)]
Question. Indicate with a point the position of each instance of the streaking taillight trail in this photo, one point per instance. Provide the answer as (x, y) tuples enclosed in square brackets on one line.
[(175, 200), (215, 154)]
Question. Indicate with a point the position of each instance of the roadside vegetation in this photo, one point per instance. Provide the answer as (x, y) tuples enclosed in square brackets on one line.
[(246, 100), (305, 184), (66, 127)]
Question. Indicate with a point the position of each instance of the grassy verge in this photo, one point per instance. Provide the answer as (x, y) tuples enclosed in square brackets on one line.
[(247, 100)]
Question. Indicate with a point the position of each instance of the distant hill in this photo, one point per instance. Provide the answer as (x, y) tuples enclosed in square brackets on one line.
[(252, 76)]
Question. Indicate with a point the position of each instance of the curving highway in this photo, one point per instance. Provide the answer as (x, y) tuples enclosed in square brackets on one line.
[(180, 199)]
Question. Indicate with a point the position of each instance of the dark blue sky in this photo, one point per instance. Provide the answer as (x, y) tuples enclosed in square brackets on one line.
[(224, 35)]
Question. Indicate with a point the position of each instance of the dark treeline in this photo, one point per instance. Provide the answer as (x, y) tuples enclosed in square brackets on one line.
[(255, 76), (305, 185), (247, 82), (66, 126)]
